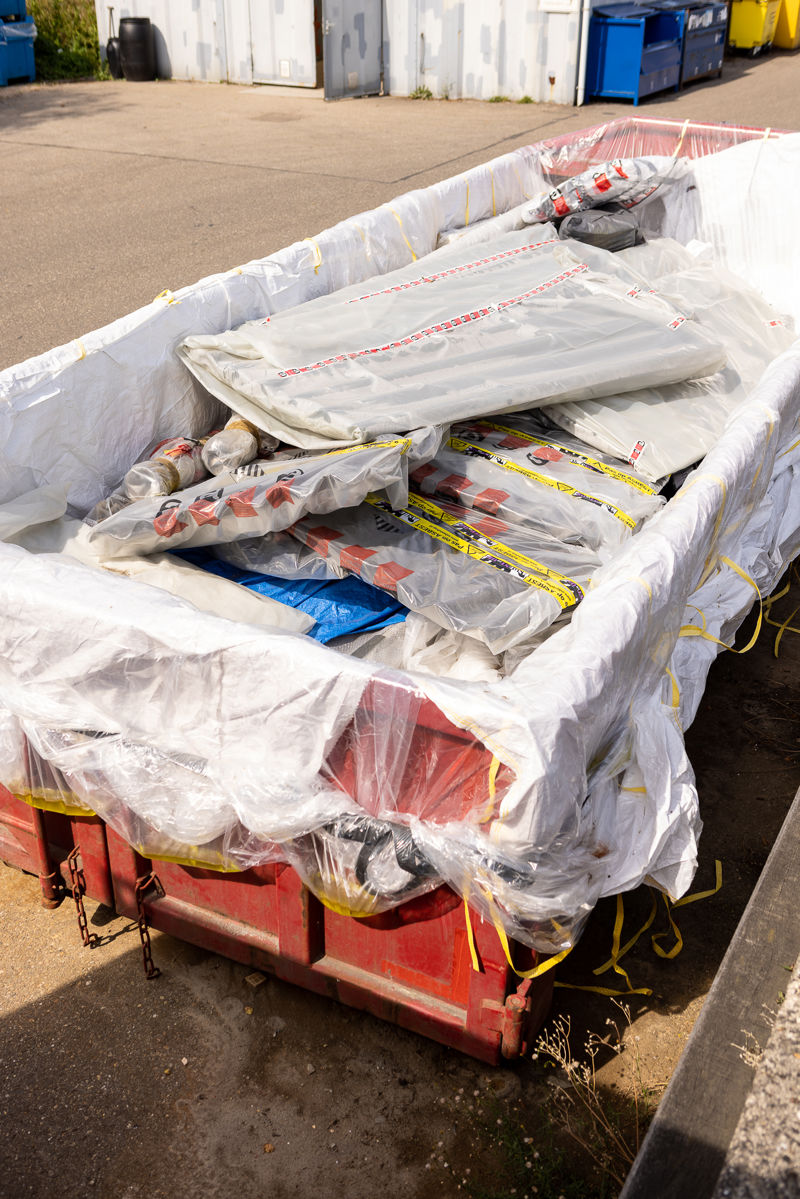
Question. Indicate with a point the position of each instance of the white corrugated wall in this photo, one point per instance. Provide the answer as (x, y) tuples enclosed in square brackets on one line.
[(458, 49)]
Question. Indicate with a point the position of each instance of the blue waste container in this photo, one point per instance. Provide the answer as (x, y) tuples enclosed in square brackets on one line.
[(12, 10), (634, 50), (16, 51), (706, 23)]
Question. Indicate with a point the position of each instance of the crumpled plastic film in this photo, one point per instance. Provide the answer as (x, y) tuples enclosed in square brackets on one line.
[(545, 319), (532, 793)]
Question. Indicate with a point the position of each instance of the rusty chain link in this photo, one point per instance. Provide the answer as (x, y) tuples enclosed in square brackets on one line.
[(143, 885), (78, 887)]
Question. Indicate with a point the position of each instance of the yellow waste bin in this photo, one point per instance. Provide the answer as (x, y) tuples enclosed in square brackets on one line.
[(787, 31), (752, 24)]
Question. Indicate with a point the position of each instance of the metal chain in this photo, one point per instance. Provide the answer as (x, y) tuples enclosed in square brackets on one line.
[(78, 887), (143, 885)]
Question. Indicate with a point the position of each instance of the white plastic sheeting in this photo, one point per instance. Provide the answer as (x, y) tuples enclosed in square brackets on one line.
[(533, 794), (532, 321)]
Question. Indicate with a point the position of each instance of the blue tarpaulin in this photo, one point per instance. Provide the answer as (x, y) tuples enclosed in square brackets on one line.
[(340, 607)]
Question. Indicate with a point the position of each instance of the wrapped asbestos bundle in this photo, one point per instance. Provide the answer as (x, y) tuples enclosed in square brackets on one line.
[(532, 320), (285, 487), (523, 472), (468, 572), (662, 429)]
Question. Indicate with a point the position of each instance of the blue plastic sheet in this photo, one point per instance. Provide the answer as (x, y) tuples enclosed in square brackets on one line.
[(341, 607)]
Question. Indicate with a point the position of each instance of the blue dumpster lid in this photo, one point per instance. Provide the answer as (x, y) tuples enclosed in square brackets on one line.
[(678, 5), (625, 11)]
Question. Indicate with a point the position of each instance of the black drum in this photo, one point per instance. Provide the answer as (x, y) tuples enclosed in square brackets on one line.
[(137, 49)]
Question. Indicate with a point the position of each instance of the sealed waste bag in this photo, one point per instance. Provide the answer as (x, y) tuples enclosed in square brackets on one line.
[(286, 486), (468, 572), (529, 322), (524, 473)]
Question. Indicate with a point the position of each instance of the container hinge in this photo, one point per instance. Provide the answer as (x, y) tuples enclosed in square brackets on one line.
[(143, 885), (78, 889)]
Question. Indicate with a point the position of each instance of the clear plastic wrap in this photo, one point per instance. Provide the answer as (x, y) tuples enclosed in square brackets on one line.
[(236, 445), (468, 572), (663, 429), (286, 487), (623, 181), (533, 320), (515, 468), (532, 794)]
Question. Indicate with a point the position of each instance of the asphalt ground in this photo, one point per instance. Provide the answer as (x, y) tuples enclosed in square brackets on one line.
[(111, 192), (195, 1085)]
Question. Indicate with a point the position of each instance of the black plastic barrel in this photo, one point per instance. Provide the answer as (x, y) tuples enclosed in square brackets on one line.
[(136, 49)]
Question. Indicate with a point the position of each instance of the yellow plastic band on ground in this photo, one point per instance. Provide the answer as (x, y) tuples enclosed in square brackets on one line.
[(402, 230), (167, 296), (81, 349), (628, 946), (678, 946), (316, 256), (787, 626), (467, 448)]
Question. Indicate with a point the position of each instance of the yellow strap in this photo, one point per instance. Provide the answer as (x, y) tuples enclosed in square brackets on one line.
[(402, 230), (677, 149), (692, 630), (316, 256), (679, 903), (626, 948), (616, 954), (81, 348), (476, 965), (585, 460), (468, 448), (786, 626), (493, 769), (542, 967), (166, 295), (793, 446), (678, 946)]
